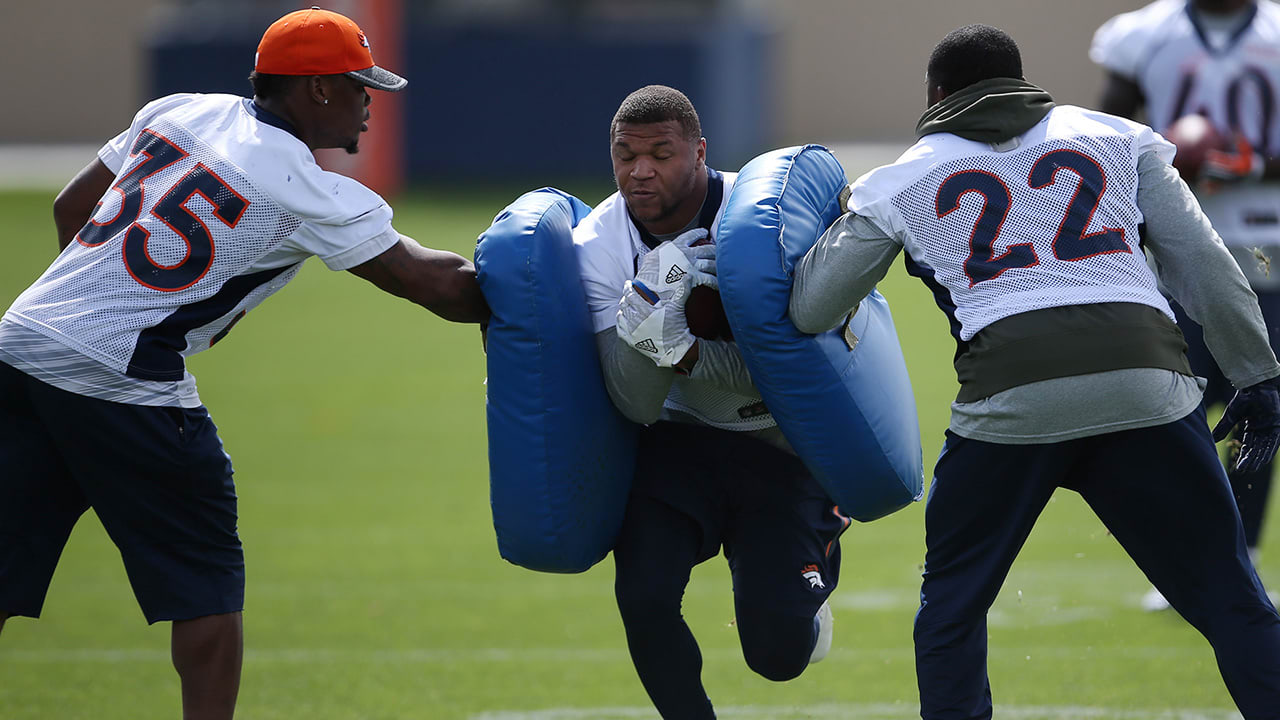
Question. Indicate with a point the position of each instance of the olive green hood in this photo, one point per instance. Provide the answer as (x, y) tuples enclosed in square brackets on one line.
[(990, 111)]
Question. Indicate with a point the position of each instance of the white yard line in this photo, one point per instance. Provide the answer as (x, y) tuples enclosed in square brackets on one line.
[(863, 711), (321, 656)]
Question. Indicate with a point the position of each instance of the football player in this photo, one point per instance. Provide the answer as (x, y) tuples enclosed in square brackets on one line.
[(1215, 58), (188, 219), (1023, 218), (713, 468)]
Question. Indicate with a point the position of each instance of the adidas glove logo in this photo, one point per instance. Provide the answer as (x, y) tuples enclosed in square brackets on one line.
[(674, 274), (647, 346)]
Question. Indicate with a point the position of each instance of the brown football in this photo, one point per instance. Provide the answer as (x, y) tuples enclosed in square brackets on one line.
[(705, 314), (1194, 136)]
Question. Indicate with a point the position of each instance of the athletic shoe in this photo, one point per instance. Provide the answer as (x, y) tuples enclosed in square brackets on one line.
[(1154, 601), (825, 622)]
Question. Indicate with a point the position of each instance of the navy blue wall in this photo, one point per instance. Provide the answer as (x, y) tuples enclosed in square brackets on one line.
[(527, 102)]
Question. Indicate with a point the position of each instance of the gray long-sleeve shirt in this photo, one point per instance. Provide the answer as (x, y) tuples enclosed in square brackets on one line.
[(638, 388), (855, 253)]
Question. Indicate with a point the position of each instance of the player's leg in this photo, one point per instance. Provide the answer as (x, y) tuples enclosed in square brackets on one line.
[(782, 544), (39, 501), (1163, 494), (1253, 490), (207, 653), (982, 504), (656, 549), (162, 486), (671, 524)]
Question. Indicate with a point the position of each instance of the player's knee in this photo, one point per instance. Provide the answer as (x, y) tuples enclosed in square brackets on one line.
[(777, 666), (776, 648), (216, 639)]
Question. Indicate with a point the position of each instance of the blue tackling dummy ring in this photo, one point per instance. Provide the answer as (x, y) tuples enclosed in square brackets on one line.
[(848, 413), (561, 456)]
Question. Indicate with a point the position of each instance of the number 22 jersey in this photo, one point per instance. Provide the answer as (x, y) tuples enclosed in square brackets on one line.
[(1050, 219), (215, 205)]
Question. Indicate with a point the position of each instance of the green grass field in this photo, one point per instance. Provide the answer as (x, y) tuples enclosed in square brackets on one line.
[(375, 589)]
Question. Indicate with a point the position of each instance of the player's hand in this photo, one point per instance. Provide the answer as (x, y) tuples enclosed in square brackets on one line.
[(655, 327), (1256, 409), (678, 263), (1240, 164), (697, 247)]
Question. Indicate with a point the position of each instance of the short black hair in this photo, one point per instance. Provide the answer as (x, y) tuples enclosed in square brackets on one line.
[(658, 103), (972, 54), (267, 86)]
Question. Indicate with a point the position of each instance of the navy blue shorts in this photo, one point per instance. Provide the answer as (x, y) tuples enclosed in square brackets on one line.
[(157, 478), (779, 530)]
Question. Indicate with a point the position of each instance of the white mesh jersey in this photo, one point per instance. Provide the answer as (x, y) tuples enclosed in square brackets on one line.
[(216, 204), (1050, 219), (609, 249), (1184, 65)]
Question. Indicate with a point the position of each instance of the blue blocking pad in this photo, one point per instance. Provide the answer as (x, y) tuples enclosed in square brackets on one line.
[(849, 413), (561, 457)]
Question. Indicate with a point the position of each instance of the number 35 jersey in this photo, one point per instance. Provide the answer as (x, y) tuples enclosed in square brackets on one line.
[(1048, 219), (215, 205)]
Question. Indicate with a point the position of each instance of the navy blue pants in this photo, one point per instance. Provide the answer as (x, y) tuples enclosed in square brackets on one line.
[(157, 478), (1251, 489), (697, 489), (1162, 493)]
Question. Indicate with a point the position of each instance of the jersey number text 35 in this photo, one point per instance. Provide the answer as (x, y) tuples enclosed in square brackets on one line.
[(172, 210)]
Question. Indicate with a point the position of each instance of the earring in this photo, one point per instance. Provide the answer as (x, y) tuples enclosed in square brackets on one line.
[(326, 101)]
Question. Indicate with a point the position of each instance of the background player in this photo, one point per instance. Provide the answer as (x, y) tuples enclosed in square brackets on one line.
[(713, 468), (206, 205), (1023, 217), (1216, 58)]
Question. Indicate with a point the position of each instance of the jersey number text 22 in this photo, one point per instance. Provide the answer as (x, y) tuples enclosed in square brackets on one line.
[(1070, 243)]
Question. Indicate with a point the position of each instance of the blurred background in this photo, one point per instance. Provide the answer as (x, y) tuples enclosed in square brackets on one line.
[(522, 90)]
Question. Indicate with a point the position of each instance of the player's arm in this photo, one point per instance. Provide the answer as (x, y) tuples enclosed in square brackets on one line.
[(637, 386), (1201, 274), (440, 281), (720, 364), (75, 204), (841, 268), (1204, 278), (1120, 96)]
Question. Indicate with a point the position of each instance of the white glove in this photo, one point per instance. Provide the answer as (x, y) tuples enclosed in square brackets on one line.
[(679, 263), (655, 327)]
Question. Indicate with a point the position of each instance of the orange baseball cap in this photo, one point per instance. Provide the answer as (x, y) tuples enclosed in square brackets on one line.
[(321, 42)]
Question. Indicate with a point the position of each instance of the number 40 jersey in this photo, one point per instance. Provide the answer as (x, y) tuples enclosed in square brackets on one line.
[(1048, 219), (215, 205), (1186, 63)]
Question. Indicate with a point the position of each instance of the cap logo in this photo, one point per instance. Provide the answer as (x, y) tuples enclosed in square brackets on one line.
[(364, 42)]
